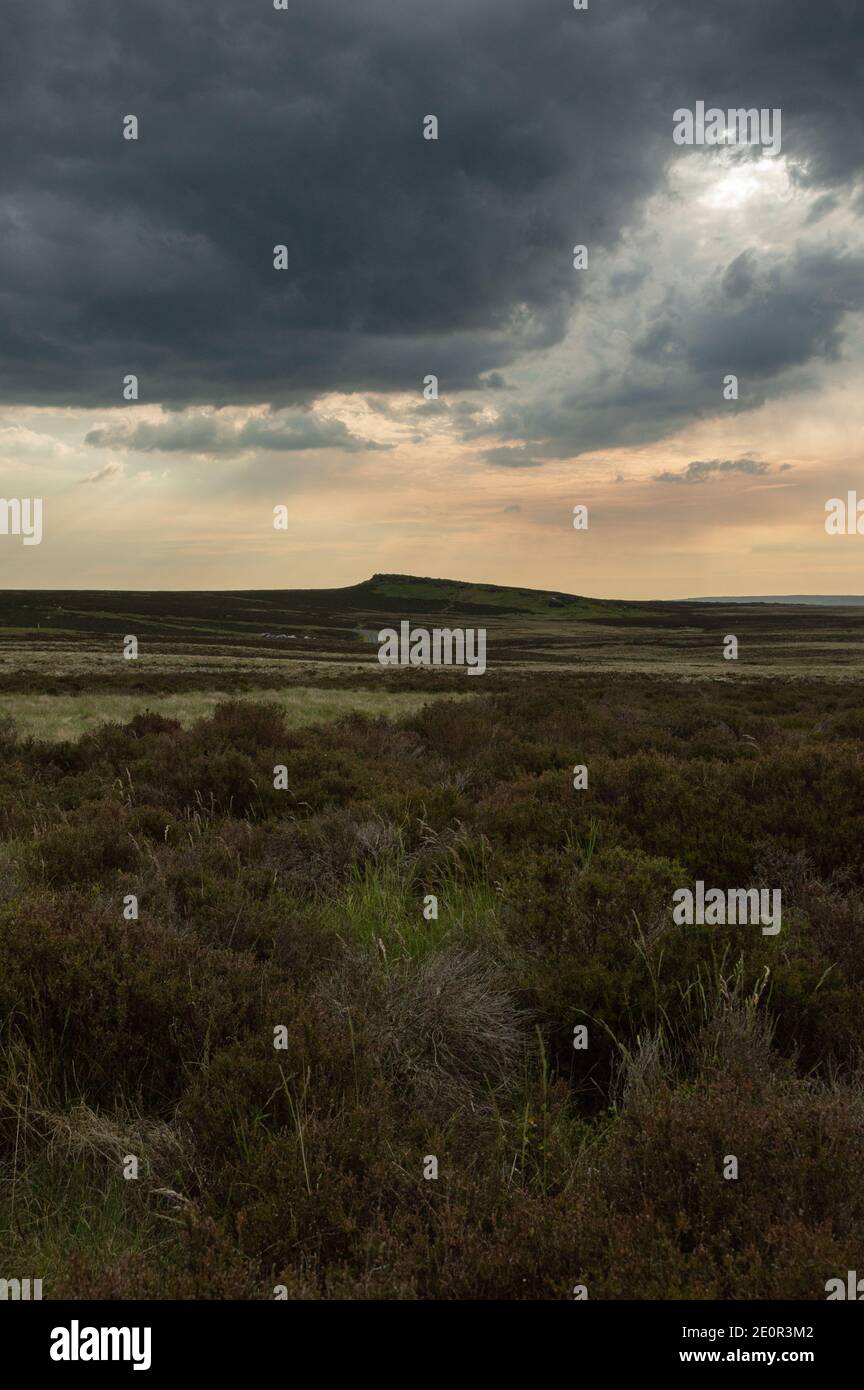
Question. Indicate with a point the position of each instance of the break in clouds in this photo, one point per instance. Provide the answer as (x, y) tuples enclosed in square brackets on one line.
[(407, 256)]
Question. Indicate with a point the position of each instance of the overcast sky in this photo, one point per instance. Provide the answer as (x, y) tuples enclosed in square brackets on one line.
[(303, 387)]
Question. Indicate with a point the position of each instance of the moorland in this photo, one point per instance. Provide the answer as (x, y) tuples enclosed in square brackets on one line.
[(580, 1068)]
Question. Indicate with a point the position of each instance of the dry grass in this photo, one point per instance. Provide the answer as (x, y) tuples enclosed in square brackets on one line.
[(447, 1033)]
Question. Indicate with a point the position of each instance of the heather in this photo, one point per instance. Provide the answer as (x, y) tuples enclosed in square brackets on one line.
[(408, 1035)]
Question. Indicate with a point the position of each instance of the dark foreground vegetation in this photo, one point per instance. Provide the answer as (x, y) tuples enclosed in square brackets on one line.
[(409, 1038)]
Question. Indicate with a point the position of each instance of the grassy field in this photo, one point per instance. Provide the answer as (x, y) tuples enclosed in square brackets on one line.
[(59, 717), (241, 1015)]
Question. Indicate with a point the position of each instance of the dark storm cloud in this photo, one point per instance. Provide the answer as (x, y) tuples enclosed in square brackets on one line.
[(303, 127)]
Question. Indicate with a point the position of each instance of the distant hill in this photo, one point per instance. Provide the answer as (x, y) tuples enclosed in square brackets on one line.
[(829, 600), (410, 593), (292, 614)]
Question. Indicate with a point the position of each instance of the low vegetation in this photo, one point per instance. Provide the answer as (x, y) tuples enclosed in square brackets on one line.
[(409, 1036)]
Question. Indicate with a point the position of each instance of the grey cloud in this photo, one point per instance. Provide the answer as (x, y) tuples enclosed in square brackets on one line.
[(461, 412), (102, 475), (737, 280), (764, 318), (822, 207), (623, 282), (211, 434), (700, 470), (513, 457), (765, 321)]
